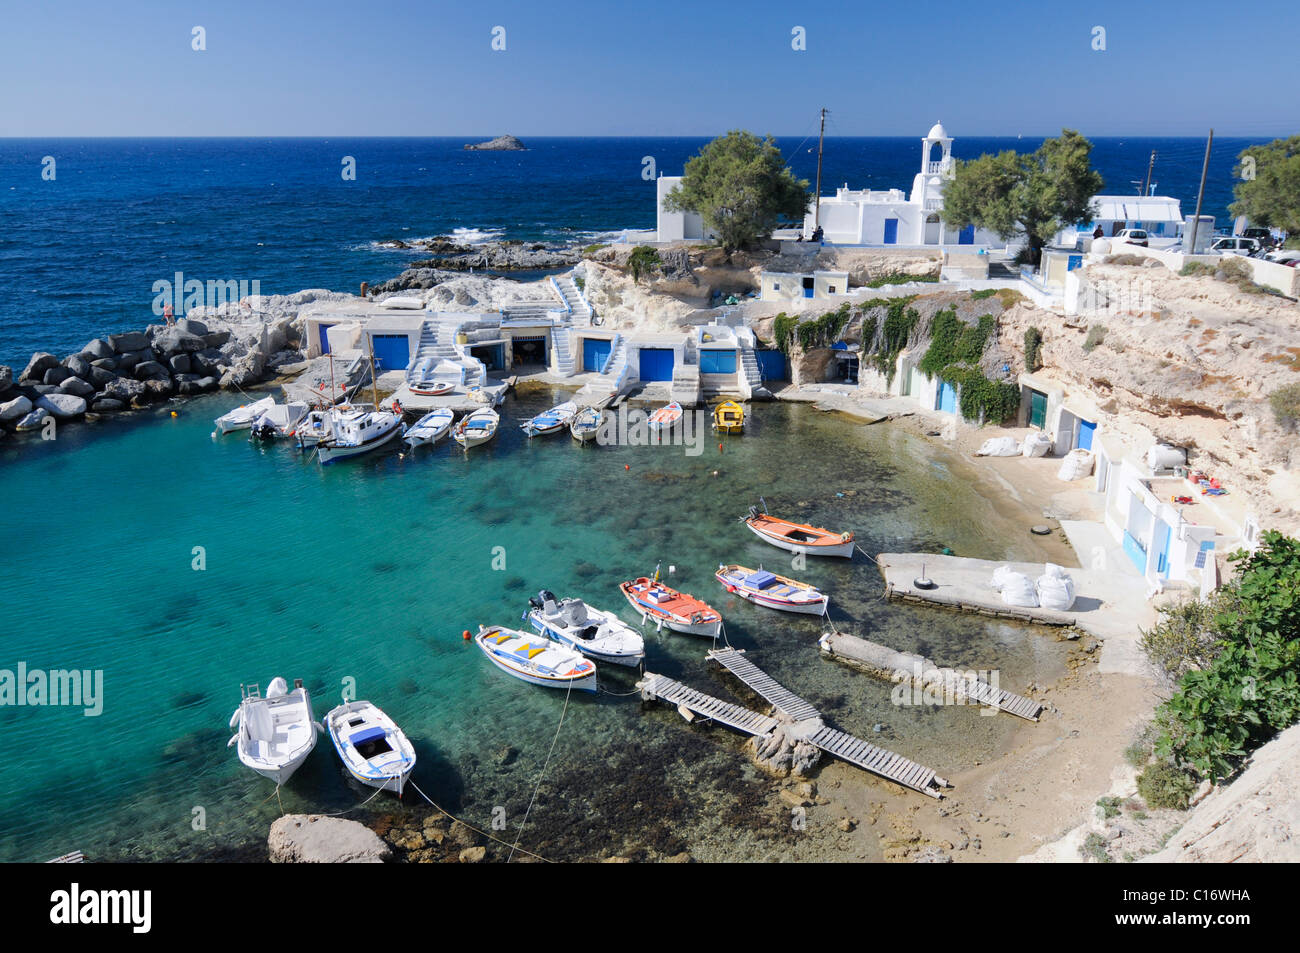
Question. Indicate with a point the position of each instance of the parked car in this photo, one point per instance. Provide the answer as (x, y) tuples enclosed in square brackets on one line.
[(1234, 246), (1284, 256), (1132, 236), (1261, 235)]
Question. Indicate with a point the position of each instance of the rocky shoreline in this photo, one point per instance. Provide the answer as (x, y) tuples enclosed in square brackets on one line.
[(231, 348), (447, 259)]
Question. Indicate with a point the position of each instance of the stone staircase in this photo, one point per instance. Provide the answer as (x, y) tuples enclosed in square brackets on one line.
[(562, 362), (685, 388), (750, 377), (438, 341), (580, 312)]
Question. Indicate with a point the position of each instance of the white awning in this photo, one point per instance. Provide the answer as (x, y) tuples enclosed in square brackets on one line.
[(1119, 208)]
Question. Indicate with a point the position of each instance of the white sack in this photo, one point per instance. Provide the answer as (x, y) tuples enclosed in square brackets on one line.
[(1037, 444), (999, 447)]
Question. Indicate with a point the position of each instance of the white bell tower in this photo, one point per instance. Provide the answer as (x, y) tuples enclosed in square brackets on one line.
[(927, 187)]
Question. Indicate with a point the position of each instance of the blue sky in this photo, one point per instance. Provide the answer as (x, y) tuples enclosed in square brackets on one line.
[(330, 68)]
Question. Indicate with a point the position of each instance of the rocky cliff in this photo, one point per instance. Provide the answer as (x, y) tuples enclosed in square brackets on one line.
[(499, 144)]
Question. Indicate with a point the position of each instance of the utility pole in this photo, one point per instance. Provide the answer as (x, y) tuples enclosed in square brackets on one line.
[(1146, 186), (1196, 221), (817, 194)]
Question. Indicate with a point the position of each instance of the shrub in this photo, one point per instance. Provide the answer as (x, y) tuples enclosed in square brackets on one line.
[(1009, 297), (1194, 269), (1094, 848), (1188, 637), (895, 331), (783, 326), (642, 261), (1109, 806), (984, 400), (592, 249), (1251, 689), (1096, 334), (953, 341), (822, 331), (1033, 343), (1285, 402), (1163, 784), (898, 278), (983, 293)]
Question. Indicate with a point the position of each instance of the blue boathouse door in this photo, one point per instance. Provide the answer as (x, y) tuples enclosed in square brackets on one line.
[(392, 351), (1086, 429), (966, 236), (947, 397), (324, 338), (891, 231), (595, 352), (656, 363)]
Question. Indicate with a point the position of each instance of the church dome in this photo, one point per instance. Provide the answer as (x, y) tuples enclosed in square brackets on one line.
[(937, 132)]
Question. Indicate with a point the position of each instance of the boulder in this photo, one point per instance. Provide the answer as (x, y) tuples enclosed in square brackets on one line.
[(41, 362), (77, 364), (216, 338), (97, 348), (105, 363), (33, 421), (121, 388), (246, 371), (12, 411), (315, 839), (207, 361), (130, 341), (206, 383), (173, 340), (107, 405), (180, 363), (56, 375), (75, 385), (150, 371), (36, 390), (157, 389), (190, 326), (101, 377), (63, 405), (6, 377)]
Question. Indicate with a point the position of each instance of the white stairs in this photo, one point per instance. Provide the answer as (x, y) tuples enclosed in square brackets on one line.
[(562, 362), (750, 378), (580, 312)]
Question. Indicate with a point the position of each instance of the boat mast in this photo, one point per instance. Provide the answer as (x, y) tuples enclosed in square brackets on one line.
[(1196, 220), (333, 398), (1146, 186), (374, 387), (817, 194)]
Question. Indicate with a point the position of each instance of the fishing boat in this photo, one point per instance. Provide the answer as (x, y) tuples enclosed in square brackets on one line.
[(586, 424), (799, 537), (244, 416), (665, 606), (665, 418), (599, 635), (550, 421), (319, 424), (477, 428), (764, 588), (430, 428), (279, 420), (534, 659), (276, 733), (729, 417), (371, 746), (354, 432)]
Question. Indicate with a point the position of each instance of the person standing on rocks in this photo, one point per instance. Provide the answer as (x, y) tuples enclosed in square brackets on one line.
[(168, 314)]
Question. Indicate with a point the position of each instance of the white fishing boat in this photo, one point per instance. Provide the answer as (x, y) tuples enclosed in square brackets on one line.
[(477, 428), (371, 746), (535, 659), (276, 733), (665, 418), (433, 379), (244, 416), (354, 432), (550, 421), (280, 420), (586, 424), (599, 635), (430, 428)]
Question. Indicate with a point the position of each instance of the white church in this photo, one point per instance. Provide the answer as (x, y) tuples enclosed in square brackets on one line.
[(866, 216)]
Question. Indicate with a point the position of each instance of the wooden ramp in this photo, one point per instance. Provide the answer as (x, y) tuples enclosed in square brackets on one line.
[(1010, 702), (878, 761), (782, 699), (662, 688), (76, 857)]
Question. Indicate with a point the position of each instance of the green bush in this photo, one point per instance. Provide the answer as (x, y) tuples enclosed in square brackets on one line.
[(1033, 344), (1163, 784), (1109, 806), (897, 278), (982, 399), (983, 293), (1094, 848), (592, 249), (1188, 637), (1096, 334), (821, 331), (953, 341), (642, 261), (1251, 689), (1285, 402), (783, 326), (896, 330)]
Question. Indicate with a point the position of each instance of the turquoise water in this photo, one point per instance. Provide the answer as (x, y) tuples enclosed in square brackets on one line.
[(371, 569)]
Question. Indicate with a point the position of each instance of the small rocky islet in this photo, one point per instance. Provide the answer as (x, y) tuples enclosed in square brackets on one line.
[(499, 144)]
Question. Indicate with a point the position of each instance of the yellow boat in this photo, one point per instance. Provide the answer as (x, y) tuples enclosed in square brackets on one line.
[(729, 417)]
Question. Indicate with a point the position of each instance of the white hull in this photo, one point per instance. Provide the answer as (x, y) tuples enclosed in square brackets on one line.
[(473, 436), (421, 433), (277, 733), (525, 670), (243, 418), (804, 608), (329, 452), (387, 770), (709, 630), (842, 549)]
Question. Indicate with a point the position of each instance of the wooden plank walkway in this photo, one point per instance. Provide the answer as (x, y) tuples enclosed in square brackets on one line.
[(867, 756), (75, 857), (782, 699), (1010, 702), (734, 716)]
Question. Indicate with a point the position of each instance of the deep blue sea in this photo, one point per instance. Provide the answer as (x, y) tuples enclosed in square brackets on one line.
[(79, 254)]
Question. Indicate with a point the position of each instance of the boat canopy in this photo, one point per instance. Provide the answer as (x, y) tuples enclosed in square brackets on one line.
[(760, 579)]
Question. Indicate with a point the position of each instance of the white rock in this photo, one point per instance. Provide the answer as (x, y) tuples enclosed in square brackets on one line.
[(62, 405), (15, 409), (316, 839)]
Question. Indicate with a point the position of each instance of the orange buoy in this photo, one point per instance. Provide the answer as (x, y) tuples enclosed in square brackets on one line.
[(719, 448), (626, 467), (465, 635), (174, 414)]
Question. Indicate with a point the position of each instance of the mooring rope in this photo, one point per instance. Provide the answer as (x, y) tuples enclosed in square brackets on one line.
[(448, 813), (542, 775)]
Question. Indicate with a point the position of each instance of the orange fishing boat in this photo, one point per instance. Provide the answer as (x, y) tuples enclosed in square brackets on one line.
[(664, 605), (799, 537)]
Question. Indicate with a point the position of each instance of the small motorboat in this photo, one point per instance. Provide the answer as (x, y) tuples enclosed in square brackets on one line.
[(535, 659), (665, 418), (244, 416), (371, 746), (729, 417), (430, 428), (276, 733), (586, 424), (799, 537), (355, 432), (665, 606), (764, 588), (550, 421), (599, 635), (477, 428), (434, 380), (319, 424), (280, 420)]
